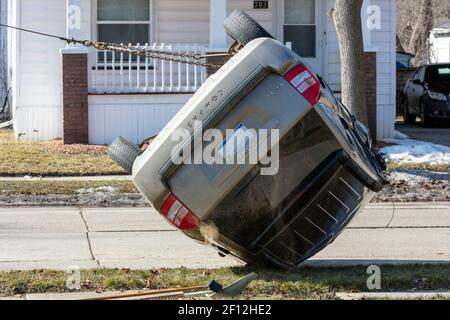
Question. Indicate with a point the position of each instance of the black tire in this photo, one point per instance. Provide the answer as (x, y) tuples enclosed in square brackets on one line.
[(124, 153), (243, 28), (424, 119), (407, 117)]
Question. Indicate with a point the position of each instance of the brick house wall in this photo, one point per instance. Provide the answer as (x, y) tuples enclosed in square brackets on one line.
[(371, 91), (75, 98)]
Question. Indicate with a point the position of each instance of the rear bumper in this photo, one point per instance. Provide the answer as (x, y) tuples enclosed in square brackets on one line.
[(315, 216), (437, 109)]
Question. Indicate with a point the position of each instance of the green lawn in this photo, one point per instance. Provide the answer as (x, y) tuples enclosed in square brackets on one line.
[(52, 159), (310, 283), (44, 187), (420, 166)]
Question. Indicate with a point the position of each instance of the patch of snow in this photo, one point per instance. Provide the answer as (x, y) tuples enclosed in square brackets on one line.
[(6, 124), (406, 151), (407, 177), (412, 176), (108, 189), (96, 190), (400, 136), (85, 191)]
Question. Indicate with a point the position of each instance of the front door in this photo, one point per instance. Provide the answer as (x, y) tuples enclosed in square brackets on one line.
[(302, 29)]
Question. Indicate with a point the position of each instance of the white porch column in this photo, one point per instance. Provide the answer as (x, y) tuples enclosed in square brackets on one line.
[(73, 24), (218, 14)]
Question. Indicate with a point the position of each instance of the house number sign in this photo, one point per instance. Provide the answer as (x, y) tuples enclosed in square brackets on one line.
[(260, 4)]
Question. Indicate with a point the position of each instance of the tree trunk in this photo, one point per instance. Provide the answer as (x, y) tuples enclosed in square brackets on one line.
[(347, 17), (419, 42)]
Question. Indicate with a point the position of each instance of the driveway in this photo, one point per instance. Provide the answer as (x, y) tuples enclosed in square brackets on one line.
[(438, 135), (58, 238)]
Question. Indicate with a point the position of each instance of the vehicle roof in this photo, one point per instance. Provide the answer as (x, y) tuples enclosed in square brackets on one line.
[(436, 65)]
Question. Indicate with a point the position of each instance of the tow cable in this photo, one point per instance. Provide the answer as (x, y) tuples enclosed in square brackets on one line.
[(165, 55)]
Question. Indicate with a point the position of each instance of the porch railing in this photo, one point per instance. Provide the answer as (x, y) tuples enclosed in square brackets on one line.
[(116, 73)]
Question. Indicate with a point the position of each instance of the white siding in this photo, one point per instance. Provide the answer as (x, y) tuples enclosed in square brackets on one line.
[(39, 70), (132, 117), (383, 42), (38, 67), (3, 50), (440, 51), (37, 61), (263, 16), (181, 21), (38, 122)]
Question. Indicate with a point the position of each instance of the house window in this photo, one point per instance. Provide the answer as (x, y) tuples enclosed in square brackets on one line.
[(125, 22), (300, 26)]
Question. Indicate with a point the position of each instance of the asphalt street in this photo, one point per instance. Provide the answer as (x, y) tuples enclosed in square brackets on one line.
[(58, 238), (437, 134)]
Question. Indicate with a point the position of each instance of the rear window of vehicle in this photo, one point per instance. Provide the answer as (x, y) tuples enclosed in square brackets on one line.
[(443, 71), (438, 74)]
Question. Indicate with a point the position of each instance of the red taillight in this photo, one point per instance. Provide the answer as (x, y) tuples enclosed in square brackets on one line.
[(305, 83), (178, 214)]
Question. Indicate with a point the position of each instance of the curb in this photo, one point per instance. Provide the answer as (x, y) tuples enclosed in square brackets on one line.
[(348, 263), (408, 205), (393, 295)]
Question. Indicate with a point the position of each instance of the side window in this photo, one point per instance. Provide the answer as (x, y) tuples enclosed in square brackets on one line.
[(416, 74), (422, 74), (300, 26), (125, 22)]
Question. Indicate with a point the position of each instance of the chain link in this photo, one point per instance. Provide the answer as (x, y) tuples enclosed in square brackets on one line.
[(177, 57), (172, 56)]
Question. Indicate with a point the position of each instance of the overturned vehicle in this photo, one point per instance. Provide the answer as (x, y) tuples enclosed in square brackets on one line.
[(326, 169)]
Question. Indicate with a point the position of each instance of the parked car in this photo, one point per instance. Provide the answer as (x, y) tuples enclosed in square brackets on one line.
[(327, 172), (427, 95)]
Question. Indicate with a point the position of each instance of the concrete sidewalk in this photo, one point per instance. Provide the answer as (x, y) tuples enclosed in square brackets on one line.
[(82, 178), (57, 238)]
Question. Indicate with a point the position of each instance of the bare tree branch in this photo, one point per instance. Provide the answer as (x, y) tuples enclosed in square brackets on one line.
[(408, 16), (419, 42)]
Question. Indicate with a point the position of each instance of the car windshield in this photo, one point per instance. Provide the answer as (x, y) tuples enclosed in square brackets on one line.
[(438, 74)]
